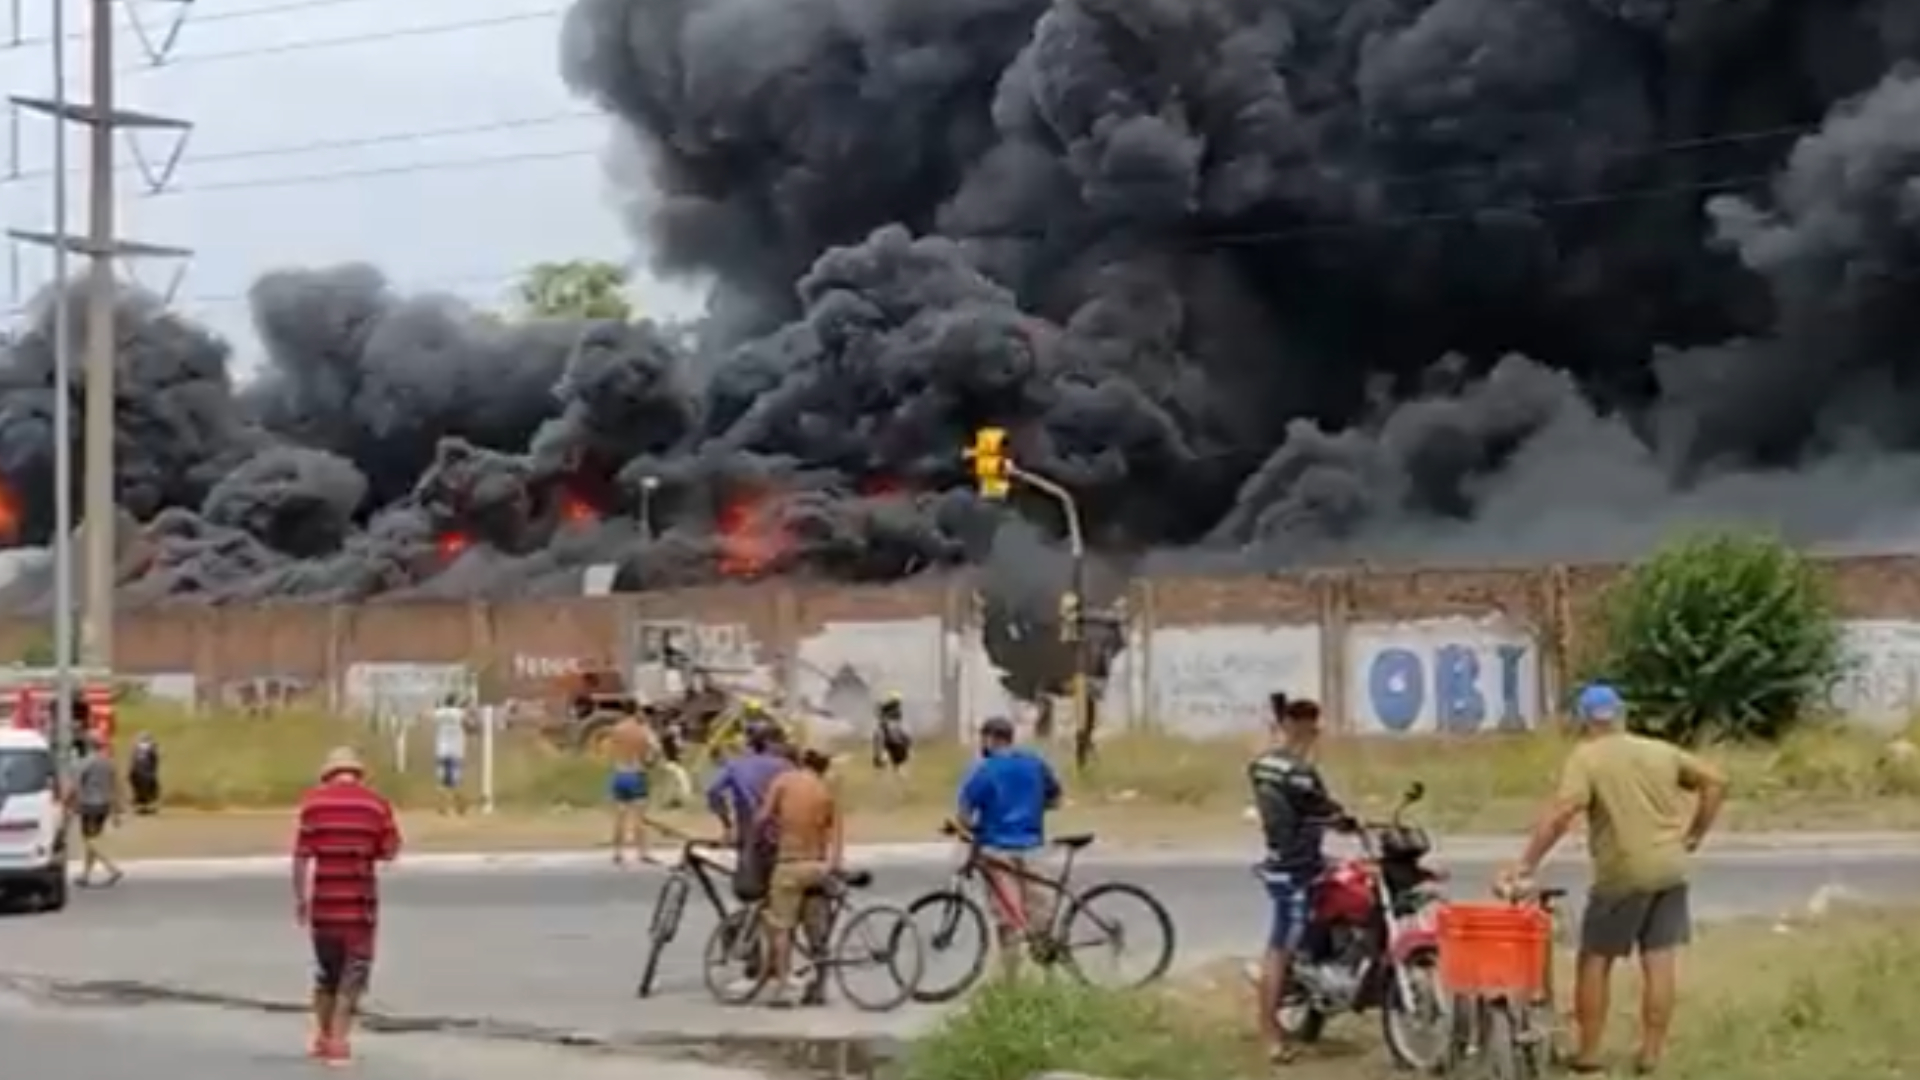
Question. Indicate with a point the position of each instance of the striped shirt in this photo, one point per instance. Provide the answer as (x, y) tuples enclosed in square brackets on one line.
[(346, 829)]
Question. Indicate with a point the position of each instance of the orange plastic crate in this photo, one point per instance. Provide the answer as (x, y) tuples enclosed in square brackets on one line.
[(1490, 949)]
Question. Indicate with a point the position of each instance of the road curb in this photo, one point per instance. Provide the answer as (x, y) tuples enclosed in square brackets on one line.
[(1734, 847)]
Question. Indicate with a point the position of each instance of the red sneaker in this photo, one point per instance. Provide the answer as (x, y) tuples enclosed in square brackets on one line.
[(336, 1053), (317, 1046)]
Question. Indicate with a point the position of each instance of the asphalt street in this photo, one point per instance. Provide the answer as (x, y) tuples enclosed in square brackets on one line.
[(560, 949), (113, 1043)]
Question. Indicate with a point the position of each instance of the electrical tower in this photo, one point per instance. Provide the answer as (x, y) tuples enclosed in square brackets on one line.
[(104, 248)]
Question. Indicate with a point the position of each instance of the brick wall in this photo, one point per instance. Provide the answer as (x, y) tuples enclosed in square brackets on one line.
[(315, 644)]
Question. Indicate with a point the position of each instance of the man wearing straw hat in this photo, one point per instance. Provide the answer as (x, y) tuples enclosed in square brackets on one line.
[(346, 829), (1647, 805)]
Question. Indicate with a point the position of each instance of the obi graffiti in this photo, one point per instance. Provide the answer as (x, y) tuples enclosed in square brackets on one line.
[(1448, 676)]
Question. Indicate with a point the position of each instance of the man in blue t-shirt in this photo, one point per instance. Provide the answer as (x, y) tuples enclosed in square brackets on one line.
[(1004, 802)]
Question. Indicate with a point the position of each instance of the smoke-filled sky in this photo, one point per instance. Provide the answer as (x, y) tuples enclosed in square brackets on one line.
[(1264, 281)]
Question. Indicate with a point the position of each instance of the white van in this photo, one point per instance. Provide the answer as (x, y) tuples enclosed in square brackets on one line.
[(33, 823)]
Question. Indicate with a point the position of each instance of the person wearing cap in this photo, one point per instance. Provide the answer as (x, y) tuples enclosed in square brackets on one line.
[(735, 797), (346, 830), (1647, 804), (892, 742), (1003, 804)]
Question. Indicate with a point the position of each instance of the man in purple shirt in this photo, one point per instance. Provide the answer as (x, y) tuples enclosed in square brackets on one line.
[(734, 795)]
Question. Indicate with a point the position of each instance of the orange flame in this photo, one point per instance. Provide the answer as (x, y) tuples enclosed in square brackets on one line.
[(453, 544), (751, 536), (575, 510), (9, 514)]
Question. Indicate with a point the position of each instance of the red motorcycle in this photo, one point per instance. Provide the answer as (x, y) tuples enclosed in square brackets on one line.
[(1372, 944)]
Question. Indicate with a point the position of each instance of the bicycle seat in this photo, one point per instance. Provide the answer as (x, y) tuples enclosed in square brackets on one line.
[(1073, 841), (854, 879)]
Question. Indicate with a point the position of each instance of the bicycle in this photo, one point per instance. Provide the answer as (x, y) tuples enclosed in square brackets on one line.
[(874, 935), (1048, 945), (696, 866), (1496, 960)]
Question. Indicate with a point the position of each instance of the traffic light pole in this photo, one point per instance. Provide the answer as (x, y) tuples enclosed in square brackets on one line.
[(1073, 620)]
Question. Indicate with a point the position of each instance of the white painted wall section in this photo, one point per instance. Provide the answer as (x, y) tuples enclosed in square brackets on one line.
[(1212, 681), (392, 690), (1443, 676), (847, 667), (1879, 684)]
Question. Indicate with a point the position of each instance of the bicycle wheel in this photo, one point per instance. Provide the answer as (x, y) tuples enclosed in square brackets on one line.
[(953, 927), (668, 907), (1097, 919), (883, 939), (732, 964), (1509, 1053)]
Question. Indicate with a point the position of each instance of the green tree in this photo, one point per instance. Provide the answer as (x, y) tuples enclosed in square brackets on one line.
[(581, 288), (1723, 635)]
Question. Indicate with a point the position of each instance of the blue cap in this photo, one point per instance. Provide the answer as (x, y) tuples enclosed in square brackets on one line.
[(1599, 702)]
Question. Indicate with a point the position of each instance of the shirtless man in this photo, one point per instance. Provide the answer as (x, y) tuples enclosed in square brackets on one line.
[(801, 811), (631, 744)]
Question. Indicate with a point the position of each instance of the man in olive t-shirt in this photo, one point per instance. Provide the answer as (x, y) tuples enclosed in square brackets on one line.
[(1647, 805)]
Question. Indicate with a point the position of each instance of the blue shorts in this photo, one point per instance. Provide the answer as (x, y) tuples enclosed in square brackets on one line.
[(447, 769), (1290, 900), (627, 787)]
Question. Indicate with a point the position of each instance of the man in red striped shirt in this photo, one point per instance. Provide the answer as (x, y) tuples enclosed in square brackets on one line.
[(346, 831)]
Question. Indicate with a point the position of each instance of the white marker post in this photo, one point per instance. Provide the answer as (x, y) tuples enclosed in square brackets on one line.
[(400, 725), (488, 718)]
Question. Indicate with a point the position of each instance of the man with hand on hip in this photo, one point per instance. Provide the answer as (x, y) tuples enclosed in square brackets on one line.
[(1647, 804)]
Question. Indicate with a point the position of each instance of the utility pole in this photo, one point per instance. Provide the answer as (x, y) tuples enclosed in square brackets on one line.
[(103, 247)]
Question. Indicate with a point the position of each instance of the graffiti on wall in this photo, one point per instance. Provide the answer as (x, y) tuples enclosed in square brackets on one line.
[(1446, 676), (727, 650), (1879, 683), (842, 671), (1211, 681), (401, 689)]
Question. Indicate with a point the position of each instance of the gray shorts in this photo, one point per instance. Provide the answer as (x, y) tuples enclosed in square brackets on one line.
[(1617, 925)]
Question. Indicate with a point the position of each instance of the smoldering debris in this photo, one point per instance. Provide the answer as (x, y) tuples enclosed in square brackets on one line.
[(1265, 282)]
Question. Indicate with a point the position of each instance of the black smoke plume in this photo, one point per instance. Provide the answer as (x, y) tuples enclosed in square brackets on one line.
[(1263, 281)]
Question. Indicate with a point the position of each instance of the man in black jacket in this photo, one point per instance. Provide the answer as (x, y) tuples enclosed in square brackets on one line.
[(1295, 813)]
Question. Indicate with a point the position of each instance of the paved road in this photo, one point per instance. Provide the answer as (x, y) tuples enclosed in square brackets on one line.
[(94, 1043), (560, 949)]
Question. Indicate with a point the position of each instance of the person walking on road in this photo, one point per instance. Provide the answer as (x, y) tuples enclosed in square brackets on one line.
[(802, 815), (346, 830), (97, 803), (1648, 805), (631, 743), (451, 724)]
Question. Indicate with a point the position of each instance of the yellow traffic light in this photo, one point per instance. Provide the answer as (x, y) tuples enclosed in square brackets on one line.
[(990, 465)]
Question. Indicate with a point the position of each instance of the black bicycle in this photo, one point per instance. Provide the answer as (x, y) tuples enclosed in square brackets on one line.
[(1079, 920), (846, 940), (697, 866)]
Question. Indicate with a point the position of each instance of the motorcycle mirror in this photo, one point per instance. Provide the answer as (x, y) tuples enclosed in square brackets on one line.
[(1415, 792)]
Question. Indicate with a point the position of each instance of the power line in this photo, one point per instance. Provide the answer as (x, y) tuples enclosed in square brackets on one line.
[(357, 142), (470, 164), (491, 161), (222, 16), (310, 44)]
